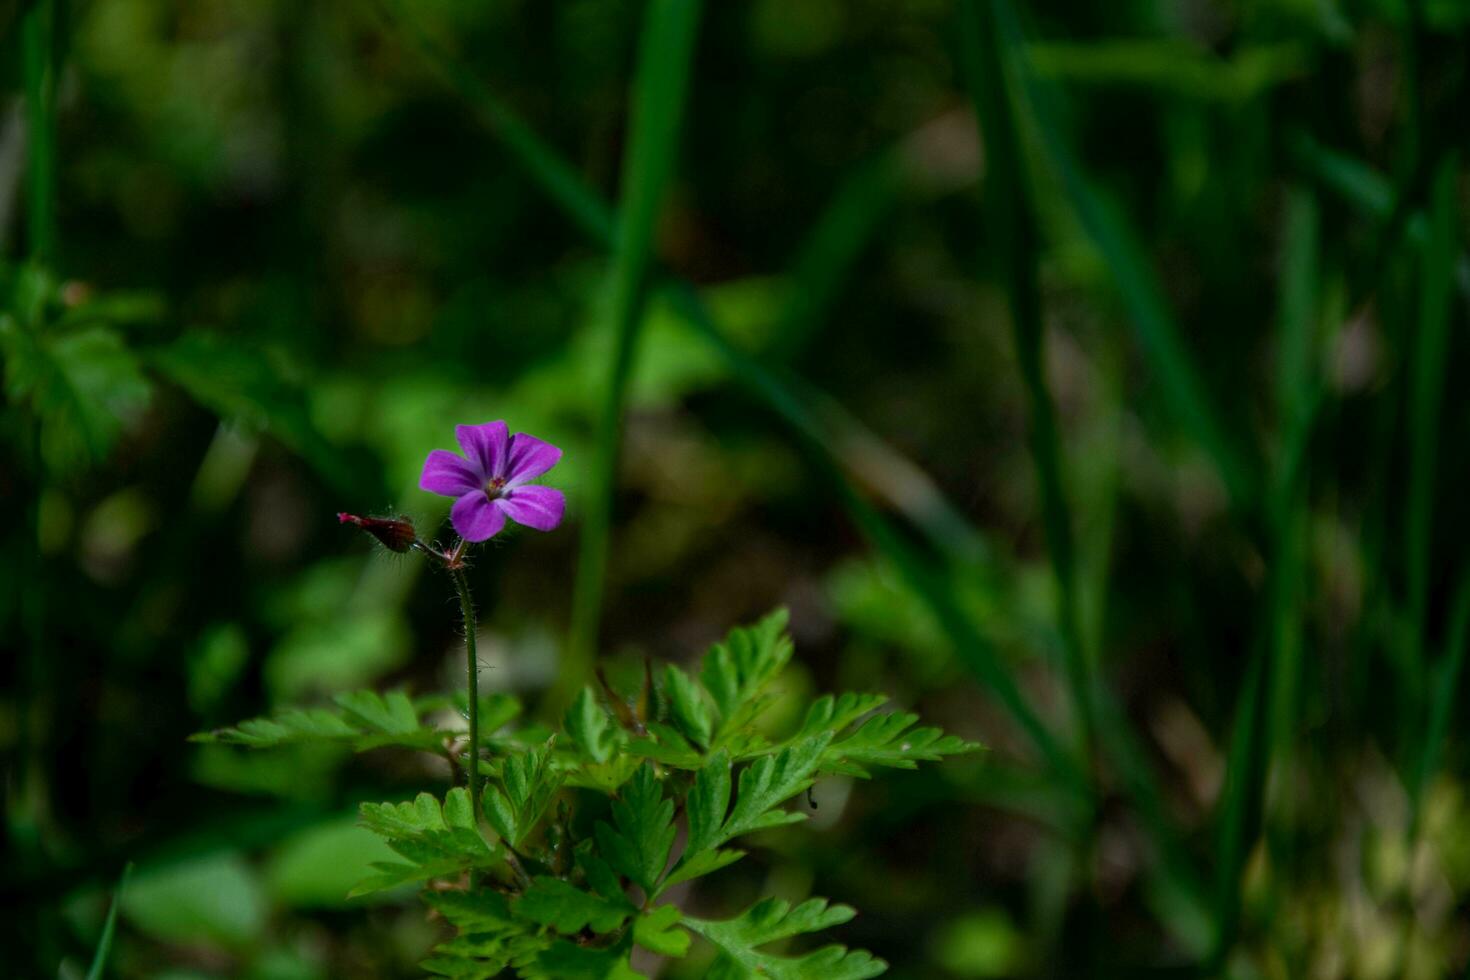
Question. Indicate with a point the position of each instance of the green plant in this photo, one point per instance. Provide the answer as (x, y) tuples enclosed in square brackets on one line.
[(568, 861)]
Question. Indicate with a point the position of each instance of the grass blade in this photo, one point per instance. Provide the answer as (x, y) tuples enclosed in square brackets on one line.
[(904, 485), (833, 247), (1013, 240), (1239, 807), (1426, 393), (1296, 399), (109, 929), (660, 90), (556, 178), (973, 649), (1446, 687), (1262, 745), (38, 42), (1157, 333), (782, 396)]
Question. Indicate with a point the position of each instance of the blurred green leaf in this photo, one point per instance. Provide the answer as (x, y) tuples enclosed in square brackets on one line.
[(319, 866), (240, 384), (211, 901), (83, 386)]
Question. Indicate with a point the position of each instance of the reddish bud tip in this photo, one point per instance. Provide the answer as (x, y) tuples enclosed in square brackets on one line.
[(396, 534)]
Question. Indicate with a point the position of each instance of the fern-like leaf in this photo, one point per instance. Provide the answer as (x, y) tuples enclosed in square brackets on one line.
[(772, 920)]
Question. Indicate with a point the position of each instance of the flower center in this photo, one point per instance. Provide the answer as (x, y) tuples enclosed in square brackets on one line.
[(494, 487)]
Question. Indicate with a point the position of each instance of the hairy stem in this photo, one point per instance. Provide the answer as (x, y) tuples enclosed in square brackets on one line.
[(472, 680)]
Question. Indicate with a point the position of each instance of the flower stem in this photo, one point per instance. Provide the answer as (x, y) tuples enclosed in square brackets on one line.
[(472, 679)]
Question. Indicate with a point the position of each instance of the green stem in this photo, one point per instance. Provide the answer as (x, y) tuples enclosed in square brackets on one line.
[(472, 682), (660, 88)]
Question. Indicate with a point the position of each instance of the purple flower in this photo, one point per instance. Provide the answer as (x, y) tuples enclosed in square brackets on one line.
[(491, 481)]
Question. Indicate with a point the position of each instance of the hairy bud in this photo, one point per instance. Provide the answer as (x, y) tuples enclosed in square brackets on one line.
[(396, 534)]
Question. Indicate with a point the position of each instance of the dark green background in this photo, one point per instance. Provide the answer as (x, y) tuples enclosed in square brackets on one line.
[(1240, 222)]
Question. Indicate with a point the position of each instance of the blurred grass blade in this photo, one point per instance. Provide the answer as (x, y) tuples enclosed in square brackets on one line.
[(781, 396), (39, 49), (1015, 246), (1430, 356), (1013, 243), (1366, 189), (1444, 695), (1350, 178), (1261, 749), (660, 91), (904, 485), (1296, 398), (832, 249), (109, 929), (540, 162), (1240, 807), (973, 649), (1172, 65), (1157, 333)]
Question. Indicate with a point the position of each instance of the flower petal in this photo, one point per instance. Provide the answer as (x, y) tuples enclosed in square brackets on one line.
[(538, 507), (529, 458), (450, 475), (486, 446), (475, 518)]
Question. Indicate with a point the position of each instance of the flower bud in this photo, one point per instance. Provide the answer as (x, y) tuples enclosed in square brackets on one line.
[(396, 534)]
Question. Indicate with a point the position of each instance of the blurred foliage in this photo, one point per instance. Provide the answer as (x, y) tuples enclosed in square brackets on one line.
[(257, 258)]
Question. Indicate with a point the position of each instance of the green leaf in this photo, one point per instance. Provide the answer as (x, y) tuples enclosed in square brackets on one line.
[(591, 728), (83, 387), (317, 867), (599, 873), (392, 714), (484, 956), (364, 720), (490, 938), (769, 782), (708, 803), (473, 912), (565, 961), (833, 714), (689, 707), (529, 782), (567, 909), (639, 846), (891, 740), (739, 669), (657, 929), (772, 920), (437, 841), (698, 864), (666, 744), (209, 901)]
